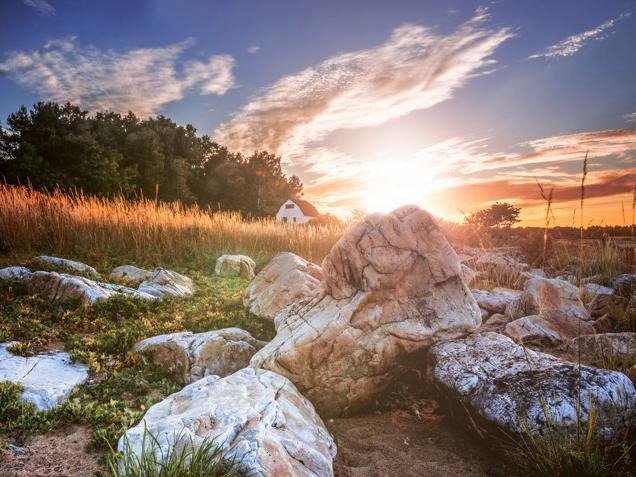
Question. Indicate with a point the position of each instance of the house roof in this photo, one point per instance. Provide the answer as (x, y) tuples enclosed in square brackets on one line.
[(308, 208)]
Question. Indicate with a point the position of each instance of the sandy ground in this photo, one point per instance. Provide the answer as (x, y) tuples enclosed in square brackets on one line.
[(401, 444), (61, 453)]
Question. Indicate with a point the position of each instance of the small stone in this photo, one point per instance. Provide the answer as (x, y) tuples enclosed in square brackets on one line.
[(235, 266)]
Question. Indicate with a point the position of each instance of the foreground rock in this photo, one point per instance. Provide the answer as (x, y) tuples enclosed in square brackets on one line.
[(235, 266), (129, 274), (163, 283), (392, 287), (606, 349), (60, 287), (547, 329), (256, 416), (69, 265), (287, 279), (502, 383), (47, 379), (189, 357)]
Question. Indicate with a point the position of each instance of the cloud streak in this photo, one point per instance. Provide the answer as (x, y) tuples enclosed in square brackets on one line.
[(414, 69), (141, 80), (42, 7), (574, 43)]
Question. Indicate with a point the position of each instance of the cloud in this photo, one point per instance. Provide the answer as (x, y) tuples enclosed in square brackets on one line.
[(140, 80), (631, 118), (574, 43), (252, 50), (42, 7), (414, 69)]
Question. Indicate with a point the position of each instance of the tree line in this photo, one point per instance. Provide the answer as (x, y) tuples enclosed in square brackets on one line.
[(53, 145)]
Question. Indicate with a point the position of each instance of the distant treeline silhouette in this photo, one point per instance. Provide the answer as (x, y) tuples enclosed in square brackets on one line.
[(108, 154)]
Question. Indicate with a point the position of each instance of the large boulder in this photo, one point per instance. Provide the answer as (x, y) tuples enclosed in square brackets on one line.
[(47, 379), (66, 265), (129, 274), (549, 295), (392, 287), (163, 283), (60, 287), (235, 266), (257, 418), (518, 389), (287, 279), (189, 357), (605, 349), (548, 329)]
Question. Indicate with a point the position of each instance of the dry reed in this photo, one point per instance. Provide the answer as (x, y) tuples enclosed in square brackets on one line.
[(144, 231)]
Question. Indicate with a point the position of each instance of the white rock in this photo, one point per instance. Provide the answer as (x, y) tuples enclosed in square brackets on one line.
[(545, 295), (47, 379), (287, 279), (189, 357), (392, 287), (235, 266), (129, 274), (497, 300), (60, 287), (258, 417), (614, 349), (594, 289), (68, 264), (18, 274), (167, 283), (508, 386)]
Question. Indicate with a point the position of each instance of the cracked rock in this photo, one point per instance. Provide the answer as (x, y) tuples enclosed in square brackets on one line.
[(256, 416), (513, 388), (392, 287), (189, 357)]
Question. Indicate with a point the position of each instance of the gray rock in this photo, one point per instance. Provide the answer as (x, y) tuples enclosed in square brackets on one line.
[(164, 283), (47, 379), (18, 274), (70, 265), (511, 387), (594, 289), (256, 416), (189, 357), (615, 349), (545, 295), (547, 329), (235, 266), (498, 319), (129, 274), (496, 300), (624, 285)]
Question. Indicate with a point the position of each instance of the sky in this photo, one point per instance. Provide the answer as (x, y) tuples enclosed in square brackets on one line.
[(374, 104)]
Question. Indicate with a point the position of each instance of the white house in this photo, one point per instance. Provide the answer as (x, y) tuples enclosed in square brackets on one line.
[(296, 211)]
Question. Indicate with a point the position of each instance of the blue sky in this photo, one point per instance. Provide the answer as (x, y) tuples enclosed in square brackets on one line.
[(451, 105)]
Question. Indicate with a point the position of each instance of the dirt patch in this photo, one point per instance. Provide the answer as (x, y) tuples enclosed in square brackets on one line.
[(61, 453), (403, 444)]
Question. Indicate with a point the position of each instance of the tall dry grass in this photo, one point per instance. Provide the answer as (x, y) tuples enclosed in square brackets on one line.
[(143, 231)]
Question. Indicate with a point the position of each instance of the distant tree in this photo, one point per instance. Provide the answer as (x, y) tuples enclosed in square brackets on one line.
[(54, 145), (499, 215)]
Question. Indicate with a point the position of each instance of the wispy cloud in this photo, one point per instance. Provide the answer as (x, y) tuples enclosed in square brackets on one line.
[(414, 69), (252, 50), (574, 43), (141, 80), (42, 7), (630, 117)]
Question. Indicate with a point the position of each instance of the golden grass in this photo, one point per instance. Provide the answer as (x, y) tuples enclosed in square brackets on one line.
[(143, 231)]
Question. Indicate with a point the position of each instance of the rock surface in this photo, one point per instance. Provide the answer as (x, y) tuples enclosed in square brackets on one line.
[(60, 287), (20, 274), (235, 266), (287, 279), (592, 290), (189, 357), (129, 274), (70, 265), (543, 295), (605, 349), (392, 287), (47, 379), (548, 329), (504, 384), (164, 283), (258, 417), (624, 285), (496, 300), (604, 304)]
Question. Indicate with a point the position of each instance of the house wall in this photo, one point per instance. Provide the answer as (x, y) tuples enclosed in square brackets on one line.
[(291, 214)]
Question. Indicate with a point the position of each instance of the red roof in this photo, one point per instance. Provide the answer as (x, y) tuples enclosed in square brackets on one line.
[(308, 209)]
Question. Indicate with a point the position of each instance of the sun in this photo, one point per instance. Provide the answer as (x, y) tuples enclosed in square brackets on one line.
[(391, 184)]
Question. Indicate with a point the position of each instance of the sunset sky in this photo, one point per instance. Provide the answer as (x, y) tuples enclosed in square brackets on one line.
[(373, 104)]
